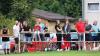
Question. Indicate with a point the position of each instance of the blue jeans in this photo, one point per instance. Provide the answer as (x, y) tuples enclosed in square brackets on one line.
[(28, 39), (94, 38)]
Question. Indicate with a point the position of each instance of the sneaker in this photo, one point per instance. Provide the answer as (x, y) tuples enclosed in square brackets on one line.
[(46, 49), (61, 49), (58, 50)]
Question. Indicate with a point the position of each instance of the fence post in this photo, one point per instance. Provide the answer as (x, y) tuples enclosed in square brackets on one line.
[(19, 42), (84, 42)]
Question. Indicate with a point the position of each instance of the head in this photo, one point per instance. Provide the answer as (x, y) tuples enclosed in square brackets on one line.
[(95, 23), (67, 22), (25, 23), (37, 23), (58, 21), (38, 20), (80, 19), (86, 21), (16, 22)]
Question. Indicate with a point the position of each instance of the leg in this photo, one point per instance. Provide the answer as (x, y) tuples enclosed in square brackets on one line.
[(42, 36), (59, 38)]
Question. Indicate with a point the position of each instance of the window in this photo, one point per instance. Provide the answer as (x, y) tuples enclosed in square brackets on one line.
[(93, 6)]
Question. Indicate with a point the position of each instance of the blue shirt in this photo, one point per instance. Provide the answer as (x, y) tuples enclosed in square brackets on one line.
[(95, 28), (42, 25)]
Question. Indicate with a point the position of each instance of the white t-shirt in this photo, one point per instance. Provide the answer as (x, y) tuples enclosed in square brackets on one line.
[(16, 30)]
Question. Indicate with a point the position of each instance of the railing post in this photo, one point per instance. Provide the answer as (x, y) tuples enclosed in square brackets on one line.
[(84, 42), (19, 42)]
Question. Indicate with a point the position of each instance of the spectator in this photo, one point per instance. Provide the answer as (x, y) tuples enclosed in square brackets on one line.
[(16, 33), (47, 34), (66, 35), (80, 28), (95, 30), (27, 30), (5, 40), (59, 35), (37, 31), (42, 25), (88, 36)]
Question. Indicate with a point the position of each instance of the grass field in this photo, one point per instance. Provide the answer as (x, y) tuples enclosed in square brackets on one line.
[(55, 53)]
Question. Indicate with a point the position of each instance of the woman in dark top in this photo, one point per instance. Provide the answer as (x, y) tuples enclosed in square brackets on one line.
[(66, 35), (47, 34), (58, 29), (28, 35), (5, 39), (88, 36)]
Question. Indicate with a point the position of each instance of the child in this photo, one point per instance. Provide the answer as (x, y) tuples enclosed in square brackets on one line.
[(5, 40)]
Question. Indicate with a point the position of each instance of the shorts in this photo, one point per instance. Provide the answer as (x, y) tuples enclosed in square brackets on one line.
[(6, 45), (16, 40)]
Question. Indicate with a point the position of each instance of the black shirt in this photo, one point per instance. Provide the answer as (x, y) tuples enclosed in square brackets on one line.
[(27, 28), (5, 31), (57, 26), (88, 28)]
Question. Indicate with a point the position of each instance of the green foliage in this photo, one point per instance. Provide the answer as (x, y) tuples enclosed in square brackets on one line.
[(31, 21), (71, 8), (23, 8), (16, 8)]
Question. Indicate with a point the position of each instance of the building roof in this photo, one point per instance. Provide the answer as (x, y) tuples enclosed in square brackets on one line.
[(49, 15)]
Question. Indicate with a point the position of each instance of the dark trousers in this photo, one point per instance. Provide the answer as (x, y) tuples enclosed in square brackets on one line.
[(59, 38), (42, 37)]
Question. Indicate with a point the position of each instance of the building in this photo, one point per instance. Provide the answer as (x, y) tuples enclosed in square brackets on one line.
[(50, 18), (91, 10)]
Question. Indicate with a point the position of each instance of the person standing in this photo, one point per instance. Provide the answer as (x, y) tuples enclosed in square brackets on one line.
[(58, 29), (95, 30), (5, 40), (66, 35), (88, 36), (36, 30), (80, 28), (42, 25), (16, 33), (27, 30)]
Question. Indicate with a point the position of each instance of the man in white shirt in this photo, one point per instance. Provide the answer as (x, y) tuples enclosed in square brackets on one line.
[(16, 32)]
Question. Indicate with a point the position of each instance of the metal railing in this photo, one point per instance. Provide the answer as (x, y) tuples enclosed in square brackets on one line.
[(84, 41)]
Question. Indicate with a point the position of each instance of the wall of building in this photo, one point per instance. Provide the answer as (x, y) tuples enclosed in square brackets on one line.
[(91, 15)]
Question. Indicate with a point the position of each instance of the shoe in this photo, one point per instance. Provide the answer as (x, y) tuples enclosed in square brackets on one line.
[(61, 49), (46, 49), (58, 50)]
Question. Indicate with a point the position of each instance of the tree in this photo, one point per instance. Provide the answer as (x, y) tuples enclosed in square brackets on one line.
[(23, 8), (65, 7)]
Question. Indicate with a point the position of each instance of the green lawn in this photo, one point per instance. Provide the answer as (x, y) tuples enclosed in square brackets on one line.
[(55, 53)]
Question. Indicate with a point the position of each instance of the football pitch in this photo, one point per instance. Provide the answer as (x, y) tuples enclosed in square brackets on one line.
[(56, 53)]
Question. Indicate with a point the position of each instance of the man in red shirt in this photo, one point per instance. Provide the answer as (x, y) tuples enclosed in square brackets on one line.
[(80, 28)]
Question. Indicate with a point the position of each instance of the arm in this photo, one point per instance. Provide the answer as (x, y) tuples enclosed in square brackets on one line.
[(59, 29)]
